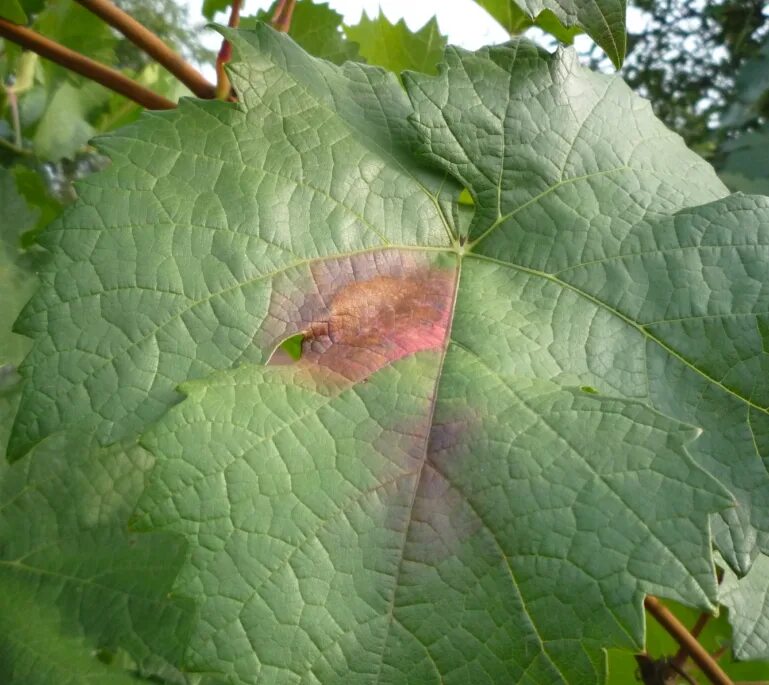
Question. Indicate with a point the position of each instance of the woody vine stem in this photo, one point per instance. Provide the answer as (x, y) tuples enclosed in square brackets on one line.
[(151, 44)]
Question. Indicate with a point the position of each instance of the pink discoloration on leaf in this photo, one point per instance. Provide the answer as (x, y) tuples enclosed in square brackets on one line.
[(361, 312)]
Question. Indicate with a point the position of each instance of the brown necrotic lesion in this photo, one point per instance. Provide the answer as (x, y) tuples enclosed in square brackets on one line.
[(358, 313)]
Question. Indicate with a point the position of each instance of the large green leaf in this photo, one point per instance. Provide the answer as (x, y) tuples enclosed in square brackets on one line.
[(602, 20), (485, 455), (395, 46)]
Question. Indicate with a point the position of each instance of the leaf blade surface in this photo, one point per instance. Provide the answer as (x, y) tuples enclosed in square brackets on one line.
[(425, 488)]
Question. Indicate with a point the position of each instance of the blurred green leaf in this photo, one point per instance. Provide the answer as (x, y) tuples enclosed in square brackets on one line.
[(211, 7), (32, 187), (120, 111), (16, 281), (16, 217), (13, 11), (65, 127), (549, 22), (395, 46), (316, 27), (752, 90), (32, 6), (512, 18), (75, 27), (602, 20), (744, 164)]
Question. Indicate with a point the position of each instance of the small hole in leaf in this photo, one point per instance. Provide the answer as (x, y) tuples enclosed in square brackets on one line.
[(589, 390), (465, 198), (287, 352)]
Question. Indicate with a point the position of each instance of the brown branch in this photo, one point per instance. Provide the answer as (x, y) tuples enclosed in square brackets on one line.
[(683, 637), (281, 20), (74, 61), (152, 45), (702, 620), (683, 654), (223, 87)]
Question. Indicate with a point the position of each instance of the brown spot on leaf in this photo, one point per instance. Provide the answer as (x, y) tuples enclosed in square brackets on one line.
[(361, 312)]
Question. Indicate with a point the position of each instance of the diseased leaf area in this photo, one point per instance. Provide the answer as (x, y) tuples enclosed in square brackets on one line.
[(362, 312), (501, 432)]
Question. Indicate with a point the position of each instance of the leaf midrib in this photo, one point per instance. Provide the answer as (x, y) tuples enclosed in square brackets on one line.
[(418, 480)]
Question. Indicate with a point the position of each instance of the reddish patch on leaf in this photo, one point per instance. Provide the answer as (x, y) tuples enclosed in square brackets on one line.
[(361, 312)]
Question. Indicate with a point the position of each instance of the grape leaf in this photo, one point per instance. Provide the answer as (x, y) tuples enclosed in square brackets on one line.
[(507, 12), (16, 279), (748, 604), (32, 187), (744, 161), (395, 46), (602, 20), (515, 21), (751, 90), (72, 579), (316, 27), (427, 493), (65, 126), (75, 27), (211, 7), (380, 551)]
